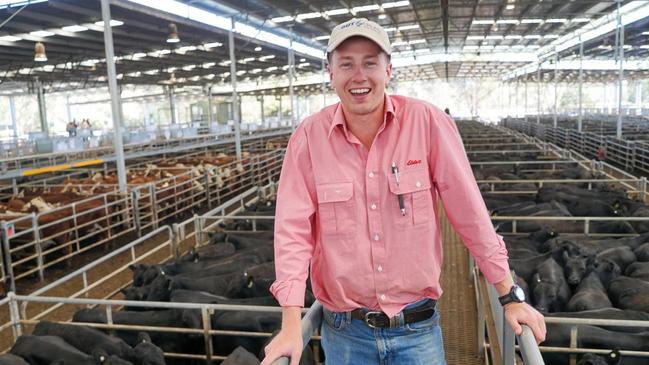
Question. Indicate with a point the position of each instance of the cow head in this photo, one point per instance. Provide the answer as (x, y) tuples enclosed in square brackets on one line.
[(607, 270), (146, 352), (546, 294), (575, 267)]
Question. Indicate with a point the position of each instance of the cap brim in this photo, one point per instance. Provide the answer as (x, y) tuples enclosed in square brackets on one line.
[(332, 46)]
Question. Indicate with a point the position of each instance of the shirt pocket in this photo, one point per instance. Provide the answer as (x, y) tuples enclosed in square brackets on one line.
[(336, 206), (414, 186)]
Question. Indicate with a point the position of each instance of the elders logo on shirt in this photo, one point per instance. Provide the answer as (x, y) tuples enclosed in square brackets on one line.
[(413, 162)]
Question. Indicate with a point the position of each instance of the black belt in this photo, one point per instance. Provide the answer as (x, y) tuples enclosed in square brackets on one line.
[(376, 319)]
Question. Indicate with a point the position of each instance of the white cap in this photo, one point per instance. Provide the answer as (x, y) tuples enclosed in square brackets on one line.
[(359, 27)]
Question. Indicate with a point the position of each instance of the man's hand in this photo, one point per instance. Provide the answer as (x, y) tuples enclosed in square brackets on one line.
[(288, 341), (522, 313)]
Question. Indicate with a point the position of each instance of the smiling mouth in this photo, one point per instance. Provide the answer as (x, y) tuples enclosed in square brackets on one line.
[(360, 91)]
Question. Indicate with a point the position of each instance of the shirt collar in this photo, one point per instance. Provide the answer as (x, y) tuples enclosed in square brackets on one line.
[(339, 116)]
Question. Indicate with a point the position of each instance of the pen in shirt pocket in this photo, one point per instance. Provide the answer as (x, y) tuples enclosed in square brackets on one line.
[(395, 172)]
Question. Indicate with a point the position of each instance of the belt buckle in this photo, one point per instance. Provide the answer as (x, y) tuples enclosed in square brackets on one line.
[(368, 317)]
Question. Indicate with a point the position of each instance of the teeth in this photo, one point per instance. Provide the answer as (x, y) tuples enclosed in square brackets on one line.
[(359, 91)]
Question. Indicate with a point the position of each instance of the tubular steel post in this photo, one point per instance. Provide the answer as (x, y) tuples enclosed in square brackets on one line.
[(210, 114), (620, 45), (235, 97), (114, 96), (14, 124), (525, 110), (6, 257), (172, 104), (581, 80), (324, 83), (291, 76), (39, 249), (42, 110), (556, 96), (538, 94), (15, 315)]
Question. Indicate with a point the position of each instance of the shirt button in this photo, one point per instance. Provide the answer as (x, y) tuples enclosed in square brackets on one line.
[(371, 174), (373, 206), (418, 184), (376, 237), (383, 297), (380, 268)]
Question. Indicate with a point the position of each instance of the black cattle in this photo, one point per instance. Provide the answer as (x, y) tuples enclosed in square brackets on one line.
[(593, 337), (86, 339), (638, 270), (609, 313), (216, 251), (623, 256), (576, 266), (629, 293), (169, 342), (549, 287), (613, 358), (146, 352), (11, 359), (526, 267), (241, 356), (241, 241), (191, 296), (236, 285), (590, 294), (642, 252), (47, 350)]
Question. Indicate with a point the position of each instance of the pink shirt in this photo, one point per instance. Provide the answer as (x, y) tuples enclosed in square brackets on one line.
[(337, 210)]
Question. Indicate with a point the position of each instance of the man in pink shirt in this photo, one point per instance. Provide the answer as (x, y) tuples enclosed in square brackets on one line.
[(357, 205)]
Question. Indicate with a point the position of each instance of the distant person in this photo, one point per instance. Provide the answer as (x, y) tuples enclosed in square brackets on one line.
[(72, 128), (447, 111)]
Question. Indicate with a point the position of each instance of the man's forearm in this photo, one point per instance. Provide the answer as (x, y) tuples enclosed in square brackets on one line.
[(503, 286), (291, 318)]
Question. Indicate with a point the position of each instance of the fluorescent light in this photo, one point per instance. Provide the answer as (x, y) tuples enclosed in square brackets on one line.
[(484, 22), (209, 64), (272, 68), (417, 41), (408, 27), (74, 28), (518, 46), (391, 29), (41, 33), (645, 33), (510, 7), (502, 47), (336, 12), (269, 57), (322, 38), (507, 21), (224, 63), (308, 16), (645, 46), (113, 23), (48, 68), (10, 38), (532, 21), (494, 37), (475, 38), (486, 47), (358, 9), (212, 45), (382, 16), (513, 37), (532, 36), (556, 21), (189, 67), (257, 49), (550, 36), (396, 44), (139, 55), (241, 72), (282, 19), (580, 20), (395, 4)]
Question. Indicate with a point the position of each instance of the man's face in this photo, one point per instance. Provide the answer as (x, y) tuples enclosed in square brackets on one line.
[(359, 72)]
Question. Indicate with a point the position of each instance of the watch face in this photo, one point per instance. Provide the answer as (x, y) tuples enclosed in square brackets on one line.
[(519, 294)]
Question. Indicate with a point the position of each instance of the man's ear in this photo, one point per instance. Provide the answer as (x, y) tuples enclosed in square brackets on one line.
[(331, 74), (388, 70)]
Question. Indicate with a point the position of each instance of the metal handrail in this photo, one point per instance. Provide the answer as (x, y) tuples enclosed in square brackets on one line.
[(310, 322)]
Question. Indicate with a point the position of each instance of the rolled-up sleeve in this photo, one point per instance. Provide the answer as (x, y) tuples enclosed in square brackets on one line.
[(294, 218), (461, 199)]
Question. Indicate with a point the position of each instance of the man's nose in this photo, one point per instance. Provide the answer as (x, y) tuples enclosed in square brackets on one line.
[(359, 74)]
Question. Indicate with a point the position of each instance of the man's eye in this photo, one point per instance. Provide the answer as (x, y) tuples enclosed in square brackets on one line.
[(371, 64)]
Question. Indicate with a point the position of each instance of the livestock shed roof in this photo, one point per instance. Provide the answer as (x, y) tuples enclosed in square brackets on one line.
[(431, 39)]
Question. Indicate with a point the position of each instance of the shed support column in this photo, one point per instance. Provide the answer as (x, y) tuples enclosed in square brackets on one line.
[(581, 81), (12, 114), (42, 112), (114, 96), (620, 92), (556, 96), (235, 98)]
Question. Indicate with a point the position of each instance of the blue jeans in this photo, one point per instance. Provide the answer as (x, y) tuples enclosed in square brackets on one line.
[(348, 341)]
